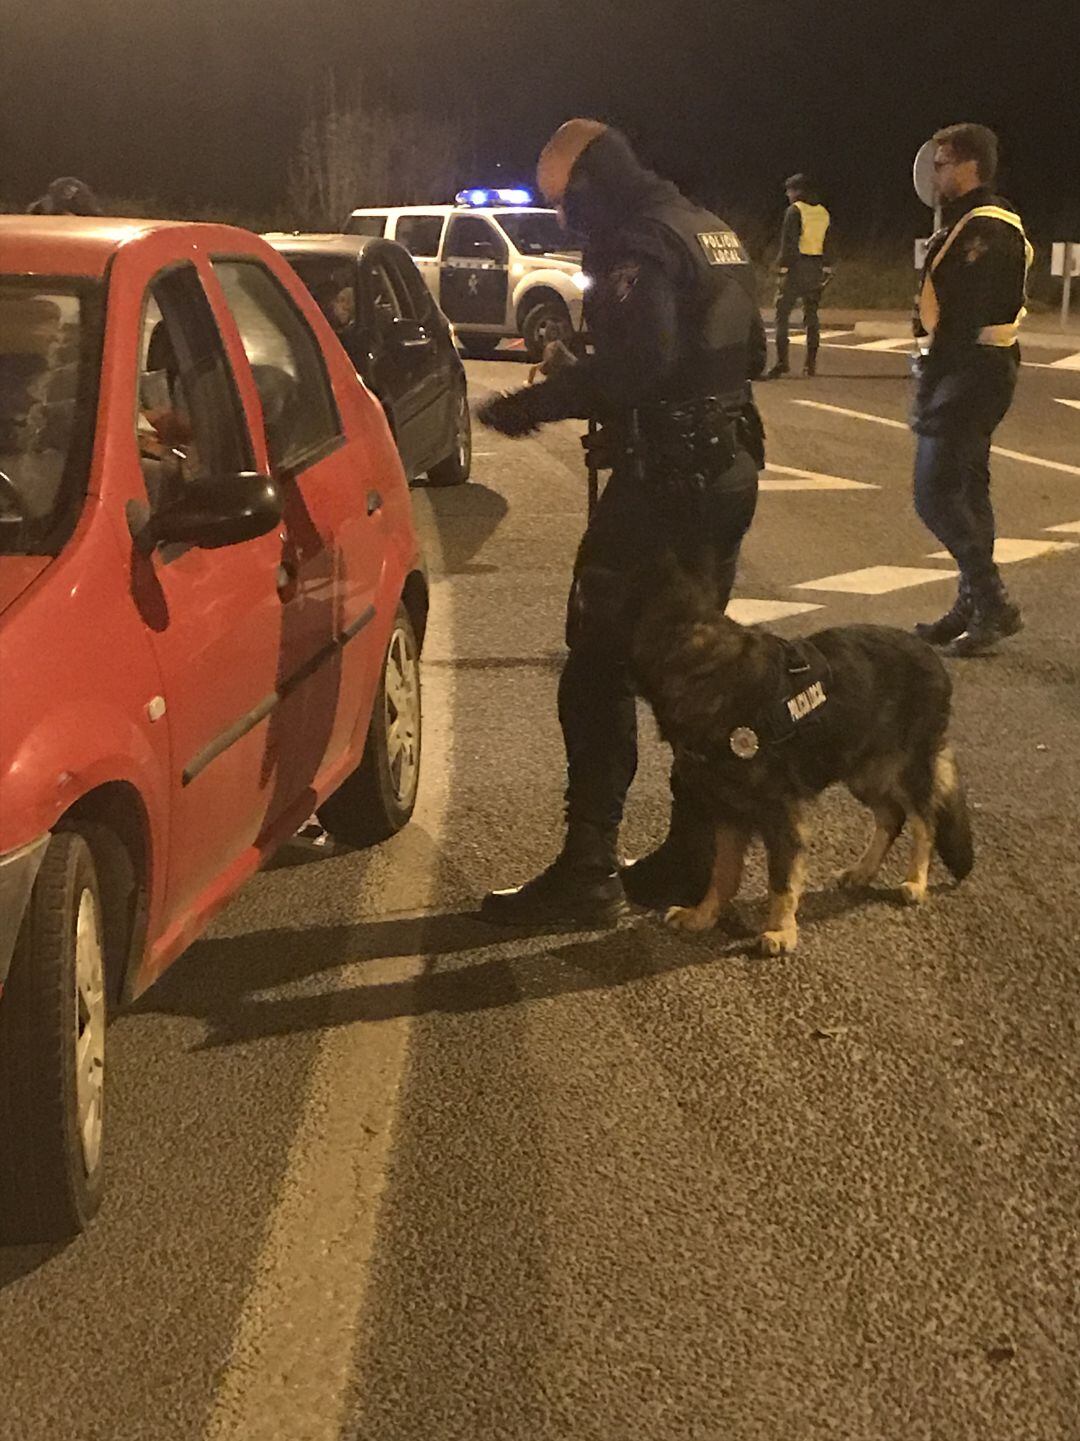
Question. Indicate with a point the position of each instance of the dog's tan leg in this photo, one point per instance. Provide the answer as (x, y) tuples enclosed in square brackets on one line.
[(787, 875), (889, 823), (913, 891), (728, 858)]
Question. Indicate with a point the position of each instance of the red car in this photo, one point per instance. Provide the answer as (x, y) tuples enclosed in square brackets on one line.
[(212, 605)]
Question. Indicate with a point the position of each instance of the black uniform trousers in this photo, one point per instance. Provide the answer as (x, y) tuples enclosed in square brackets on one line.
[(802, 284), (634, 523), (955, 417)]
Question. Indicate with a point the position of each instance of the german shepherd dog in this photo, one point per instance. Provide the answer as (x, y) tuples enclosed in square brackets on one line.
[(759, 726)]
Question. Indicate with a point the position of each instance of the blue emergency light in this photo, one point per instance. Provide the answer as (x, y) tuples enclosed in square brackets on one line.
[(512, 195)]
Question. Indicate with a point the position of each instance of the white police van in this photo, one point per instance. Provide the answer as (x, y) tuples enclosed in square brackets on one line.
[(496, 264)]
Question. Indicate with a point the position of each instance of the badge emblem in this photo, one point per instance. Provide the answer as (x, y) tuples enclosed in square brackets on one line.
[(474, 284), (744, 743)]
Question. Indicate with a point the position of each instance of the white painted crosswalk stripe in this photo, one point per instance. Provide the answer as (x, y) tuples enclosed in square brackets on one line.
[(1062, 401), (891, 343), (1070, 527), (876, 579), (796, 479), (1008, 550), (900, 425), (1067, 362), (760, 612)]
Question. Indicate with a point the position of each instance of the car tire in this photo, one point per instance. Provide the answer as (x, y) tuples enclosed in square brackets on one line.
[(456, 468), (53, 1013), (545, 322), (479, 347), (378, 799)]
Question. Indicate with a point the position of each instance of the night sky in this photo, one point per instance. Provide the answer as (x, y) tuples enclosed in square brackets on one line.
[(200, 101)]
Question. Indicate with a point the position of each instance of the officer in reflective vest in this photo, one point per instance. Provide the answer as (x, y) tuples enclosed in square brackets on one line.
[(677, 338), (967, 319), (804, 266)]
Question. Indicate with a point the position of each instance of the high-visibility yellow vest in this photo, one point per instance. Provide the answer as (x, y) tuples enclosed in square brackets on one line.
[(930, 307), (815, 223)]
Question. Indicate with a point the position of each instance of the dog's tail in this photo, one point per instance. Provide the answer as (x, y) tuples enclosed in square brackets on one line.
[(952, 821)]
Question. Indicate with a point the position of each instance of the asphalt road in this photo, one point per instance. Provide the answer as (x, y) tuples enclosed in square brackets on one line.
[(378, 1173)]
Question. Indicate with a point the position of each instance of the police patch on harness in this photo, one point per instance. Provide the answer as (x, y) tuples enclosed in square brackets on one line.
[(807, 701), (722, 247)]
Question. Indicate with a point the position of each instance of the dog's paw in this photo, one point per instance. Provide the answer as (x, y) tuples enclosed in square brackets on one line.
[(689, 918), (778, 943), (913, 893)]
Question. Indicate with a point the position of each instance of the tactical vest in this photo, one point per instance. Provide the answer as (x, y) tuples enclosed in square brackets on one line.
[(717, 313), (815, 226), (1004, 334)]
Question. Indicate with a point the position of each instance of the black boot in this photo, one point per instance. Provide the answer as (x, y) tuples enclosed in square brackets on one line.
[(810, 368), (677, 873), (994, 618), (777, 371), (953, 623), (581, 889)]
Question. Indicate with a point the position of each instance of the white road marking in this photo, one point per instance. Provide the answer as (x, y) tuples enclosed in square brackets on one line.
[(1067, 362), (875, 580), (1007, 550), (892, 343), (900, 425), (1074, 403), (758, 612), (799, 337), (1070, 527), (291, 1366), (796, 479)]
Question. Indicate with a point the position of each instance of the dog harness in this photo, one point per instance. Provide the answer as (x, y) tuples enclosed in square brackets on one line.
[(801, 702)]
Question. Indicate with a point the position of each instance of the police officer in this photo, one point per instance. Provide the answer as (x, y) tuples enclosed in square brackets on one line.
[(968, 314), (66, 196), (676, 338), (804, 266)]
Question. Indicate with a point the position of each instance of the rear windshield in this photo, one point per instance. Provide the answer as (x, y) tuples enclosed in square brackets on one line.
[(50, 349), (538, 232)]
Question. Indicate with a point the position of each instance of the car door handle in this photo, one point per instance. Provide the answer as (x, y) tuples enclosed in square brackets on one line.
[(374, 502)]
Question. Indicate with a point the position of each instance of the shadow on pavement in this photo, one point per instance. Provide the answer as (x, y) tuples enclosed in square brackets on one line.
[(466, 517), (19, 1261), (224, 982)]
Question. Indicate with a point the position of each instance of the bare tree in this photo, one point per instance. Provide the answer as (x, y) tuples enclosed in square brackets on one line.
[(357, 153)]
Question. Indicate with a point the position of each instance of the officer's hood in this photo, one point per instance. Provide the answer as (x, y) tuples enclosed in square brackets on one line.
[(608, 184)]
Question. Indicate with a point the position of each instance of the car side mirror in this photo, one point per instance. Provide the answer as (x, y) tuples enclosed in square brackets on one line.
[(210, 513)]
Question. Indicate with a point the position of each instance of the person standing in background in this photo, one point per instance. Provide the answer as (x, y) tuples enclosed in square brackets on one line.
[(804, 266)]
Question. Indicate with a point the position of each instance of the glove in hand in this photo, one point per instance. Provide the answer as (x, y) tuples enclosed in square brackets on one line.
[(509, 414)]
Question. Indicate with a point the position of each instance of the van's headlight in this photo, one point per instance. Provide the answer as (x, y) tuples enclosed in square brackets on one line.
[(581, 280)]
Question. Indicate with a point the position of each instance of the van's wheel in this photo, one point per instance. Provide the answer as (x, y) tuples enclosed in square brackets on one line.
[(52, 1054), (380, 796), (455, 469), (548, 321)]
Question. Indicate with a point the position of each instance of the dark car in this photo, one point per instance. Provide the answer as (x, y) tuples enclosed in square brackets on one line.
[(399, 341)]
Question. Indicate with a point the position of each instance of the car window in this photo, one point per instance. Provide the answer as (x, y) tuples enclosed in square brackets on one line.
[(50, 350), (538, 232), (287, 362), (420, 234), (189, 421), (389, 302), (333, 284), (366, 225), (470, 237), (409, 285)]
